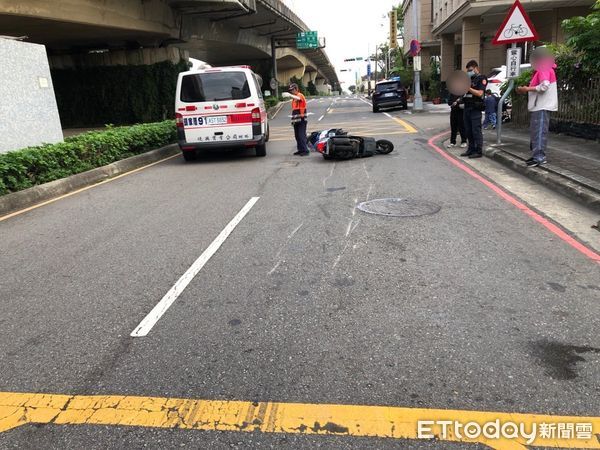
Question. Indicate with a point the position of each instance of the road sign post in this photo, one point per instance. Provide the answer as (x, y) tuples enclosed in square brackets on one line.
[(513, 62), (274, 67), (516, 27), (417, 63), (415, 49), (418, 99)]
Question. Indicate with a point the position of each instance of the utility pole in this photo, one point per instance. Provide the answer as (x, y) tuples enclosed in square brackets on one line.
[(274, 64), (387, 67), (418, 100), (511, 85), (376, 62)]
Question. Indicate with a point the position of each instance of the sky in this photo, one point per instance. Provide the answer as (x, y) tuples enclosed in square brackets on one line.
[(351, 29)]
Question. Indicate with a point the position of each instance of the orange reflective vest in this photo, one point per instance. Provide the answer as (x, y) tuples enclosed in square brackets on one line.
[(298, 108)]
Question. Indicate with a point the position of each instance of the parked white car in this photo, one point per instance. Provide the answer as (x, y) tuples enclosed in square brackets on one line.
[(498, 76)]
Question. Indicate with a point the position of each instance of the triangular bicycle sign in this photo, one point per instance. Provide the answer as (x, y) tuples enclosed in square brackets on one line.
[(517, 27)]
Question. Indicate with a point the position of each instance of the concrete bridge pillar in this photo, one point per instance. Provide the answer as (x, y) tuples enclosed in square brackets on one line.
[(322, 86), (285, 75), (309, 76)]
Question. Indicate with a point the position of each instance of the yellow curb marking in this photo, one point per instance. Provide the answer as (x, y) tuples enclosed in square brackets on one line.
[(18, 409), (409, 128), (68, 194)]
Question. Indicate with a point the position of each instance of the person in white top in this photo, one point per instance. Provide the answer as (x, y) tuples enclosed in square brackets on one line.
[(543, 99)]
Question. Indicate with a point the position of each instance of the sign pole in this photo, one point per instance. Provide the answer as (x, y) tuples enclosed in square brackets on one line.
[(516, 27), (418, 100), (376, 63), (274, 64), (511, 85)]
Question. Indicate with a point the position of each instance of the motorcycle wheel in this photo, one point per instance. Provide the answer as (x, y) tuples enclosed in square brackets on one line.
[(384, 147)]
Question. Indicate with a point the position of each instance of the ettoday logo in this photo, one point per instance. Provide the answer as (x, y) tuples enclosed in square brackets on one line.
[(494, 430)]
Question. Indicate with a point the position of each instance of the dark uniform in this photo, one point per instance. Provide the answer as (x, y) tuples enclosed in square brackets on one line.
[(474, 106), (299, 123), (457, 120)]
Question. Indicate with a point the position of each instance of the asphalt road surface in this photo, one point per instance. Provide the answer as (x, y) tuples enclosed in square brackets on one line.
[(308, 300)]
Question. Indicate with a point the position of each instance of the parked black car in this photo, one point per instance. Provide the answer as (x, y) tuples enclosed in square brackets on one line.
[(388, 94)]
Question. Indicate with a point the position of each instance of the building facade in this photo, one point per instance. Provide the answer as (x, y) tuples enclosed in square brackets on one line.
[(461, 30)]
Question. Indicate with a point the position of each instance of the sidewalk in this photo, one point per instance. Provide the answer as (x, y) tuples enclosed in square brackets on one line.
[(429, 108), (573, 164)]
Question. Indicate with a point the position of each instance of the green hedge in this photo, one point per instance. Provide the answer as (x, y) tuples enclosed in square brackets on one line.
[(21, 169), (122, 95), (271, 101)]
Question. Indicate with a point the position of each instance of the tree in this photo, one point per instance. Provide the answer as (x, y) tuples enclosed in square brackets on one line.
[(400, 24), (312, 89), (584, 37), (398, 63)]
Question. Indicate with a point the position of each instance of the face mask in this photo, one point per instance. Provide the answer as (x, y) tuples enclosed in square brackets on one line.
[(471, 73)]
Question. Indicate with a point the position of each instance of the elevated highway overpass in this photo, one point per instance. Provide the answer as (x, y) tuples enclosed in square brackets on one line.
[(87, 32)]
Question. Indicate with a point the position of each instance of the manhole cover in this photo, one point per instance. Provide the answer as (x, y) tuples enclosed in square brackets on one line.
[(399, 207)]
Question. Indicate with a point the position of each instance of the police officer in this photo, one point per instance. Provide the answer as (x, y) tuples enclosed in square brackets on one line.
[(474, 105)]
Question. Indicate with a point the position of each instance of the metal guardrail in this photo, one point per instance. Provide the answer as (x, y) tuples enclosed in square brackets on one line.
[(577, 103)]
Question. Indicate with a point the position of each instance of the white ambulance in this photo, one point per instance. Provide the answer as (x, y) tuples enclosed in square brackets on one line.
[(218, 108)]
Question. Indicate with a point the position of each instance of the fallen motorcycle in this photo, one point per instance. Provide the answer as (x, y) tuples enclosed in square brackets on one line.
[(338, 144)]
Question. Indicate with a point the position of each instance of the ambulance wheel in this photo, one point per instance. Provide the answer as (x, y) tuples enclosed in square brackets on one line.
[(189, 156), (384, 146), (375, 109), (261, 150)]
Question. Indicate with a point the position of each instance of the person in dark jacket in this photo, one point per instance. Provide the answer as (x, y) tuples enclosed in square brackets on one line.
[(457, 122)]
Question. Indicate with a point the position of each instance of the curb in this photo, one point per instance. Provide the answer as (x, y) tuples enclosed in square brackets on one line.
[(274, 110), (552, 179), (47, 191)]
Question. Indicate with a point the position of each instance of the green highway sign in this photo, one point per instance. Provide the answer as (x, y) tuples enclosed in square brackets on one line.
[(307, 39)]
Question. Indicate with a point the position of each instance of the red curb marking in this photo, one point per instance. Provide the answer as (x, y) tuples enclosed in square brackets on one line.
[(510, 199)]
